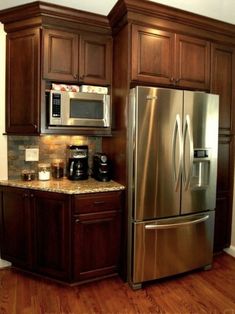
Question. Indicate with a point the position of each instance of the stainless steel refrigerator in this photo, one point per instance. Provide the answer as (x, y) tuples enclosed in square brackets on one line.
[(172, 170)]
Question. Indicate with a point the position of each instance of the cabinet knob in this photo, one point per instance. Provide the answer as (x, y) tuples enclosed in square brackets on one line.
[(172, 79), (81, 77), (35, 126), (25, 195), (177, 80), (75, 76), (77, 221), (31, 195)]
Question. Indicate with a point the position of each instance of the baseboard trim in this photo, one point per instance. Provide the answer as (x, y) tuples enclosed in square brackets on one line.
[(230, 250)]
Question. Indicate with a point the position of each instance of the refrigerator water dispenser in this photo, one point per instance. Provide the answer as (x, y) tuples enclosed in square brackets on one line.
[(201, 169)]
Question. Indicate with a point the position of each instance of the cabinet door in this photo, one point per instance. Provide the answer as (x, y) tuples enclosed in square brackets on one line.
[(222, 83), (60, 55), (51, 233), (96, 246), (192, 62), (23, 82), (15, 227), (95, 59), (223, 211), (152, 54)]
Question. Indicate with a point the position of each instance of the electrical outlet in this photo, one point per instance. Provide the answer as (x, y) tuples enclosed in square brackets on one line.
[(31, 154)]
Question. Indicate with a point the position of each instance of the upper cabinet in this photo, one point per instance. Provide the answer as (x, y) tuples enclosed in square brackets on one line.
[(95, 59), (222, 83), (77, 57), (60, 55), (45, 44), (162, 57), (23, 82)]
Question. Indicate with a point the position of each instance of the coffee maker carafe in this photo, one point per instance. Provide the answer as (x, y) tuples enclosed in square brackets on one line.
[(77, 168)]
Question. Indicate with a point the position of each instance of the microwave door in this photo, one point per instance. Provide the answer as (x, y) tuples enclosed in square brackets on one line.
[(87, 110)]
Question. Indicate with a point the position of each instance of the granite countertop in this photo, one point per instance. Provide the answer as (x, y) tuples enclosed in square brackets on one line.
[(66, 186)]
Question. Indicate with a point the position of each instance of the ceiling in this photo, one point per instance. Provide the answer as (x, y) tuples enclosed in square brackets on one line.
[(223, 10)]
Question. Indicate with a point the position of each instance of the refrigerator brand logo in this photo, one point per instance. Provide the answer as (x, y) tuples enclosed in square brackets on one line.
[(151, 97)]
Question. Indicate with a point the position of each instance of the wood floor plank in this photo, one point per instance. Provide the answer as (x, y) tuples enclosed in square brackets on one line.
[(198, 292)]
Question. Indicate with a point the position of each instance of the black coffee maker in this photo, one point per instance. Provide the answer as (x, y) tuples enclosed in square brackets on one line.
[(101, 169), (77, 167)]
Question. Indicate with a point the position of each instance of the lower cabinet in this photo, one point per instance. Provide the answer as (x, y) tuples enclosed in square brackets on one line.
[(96, 235), (68, 238), (15, 227), (51, 233), (96, 245)]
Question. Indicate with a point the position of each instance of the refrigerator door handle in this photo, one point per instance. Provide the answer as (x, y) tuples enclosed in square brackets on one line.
[(176, 225), (177, 172), (187, 130)]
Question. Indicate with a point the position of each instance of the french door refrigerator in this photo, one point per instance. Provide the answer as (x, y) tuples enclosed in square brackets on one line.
[(172, 170)]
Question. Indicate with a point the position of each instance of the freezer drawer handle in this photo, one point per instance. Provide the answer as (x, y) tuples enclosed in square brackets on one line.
[(177, 225)]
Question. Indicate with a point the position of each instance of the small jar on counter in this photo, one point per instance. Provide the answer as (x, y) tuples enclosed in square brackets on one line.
[(28, 175), (44, 172), (57, 169)]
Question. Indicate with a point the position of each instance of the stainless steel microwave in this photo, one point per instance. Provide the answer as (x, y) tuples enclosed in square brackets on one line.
[(79, 109)]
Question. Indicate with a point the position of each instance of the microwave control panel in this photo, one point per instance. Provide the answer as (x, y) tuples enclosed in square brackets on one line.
[(56, 105)]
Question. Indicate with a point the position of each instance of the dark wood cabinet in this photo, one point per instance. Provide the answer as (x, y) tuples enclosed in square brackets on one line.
[(68, 238), (35, 231), (51, 233), (222, 78), (15, 227), (60, 55), (77, 57), (162, 57), (192, 62), (47, 43), (96, 235), (95, 59), (23, 82)]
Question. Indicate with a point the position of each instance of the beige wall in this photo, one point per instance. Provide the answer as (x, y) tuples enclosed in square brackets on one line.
[(3, 139)]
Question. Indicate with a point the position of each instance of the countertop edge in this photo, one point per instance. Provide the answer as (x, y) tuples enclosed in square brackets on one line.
[(65, 186)]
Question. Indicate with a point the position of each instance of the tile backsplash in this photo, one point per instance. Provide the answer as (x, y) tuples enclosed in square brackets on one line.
[(50, 147)]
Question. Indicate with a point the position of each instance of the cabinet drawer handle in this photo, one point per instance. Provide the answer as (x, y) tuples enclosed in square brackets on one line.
[(99, 203), (77, 221)]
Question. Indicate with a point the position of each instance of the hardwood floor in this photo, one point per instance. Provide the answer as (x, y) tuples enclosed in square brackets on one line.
[(197, 292)]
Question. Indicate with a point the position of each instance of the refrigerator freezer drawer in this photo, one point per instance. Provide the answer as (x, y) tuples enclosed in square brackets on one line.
[(171, 246)]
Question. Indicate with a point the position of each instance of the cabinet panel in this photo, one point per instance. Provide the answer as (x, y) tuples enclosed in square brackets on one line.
[(15, 227), (51, 233), (96, 59), (222, 223), (23, 82), (152, 55), (222, 82), (60, 55), (223, 211), (96, 244), (225, 160), (192, 62)]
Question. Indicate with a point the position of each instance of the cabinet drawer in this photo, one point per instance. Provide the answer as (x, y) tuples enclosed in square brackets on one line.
[(97, 202)]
